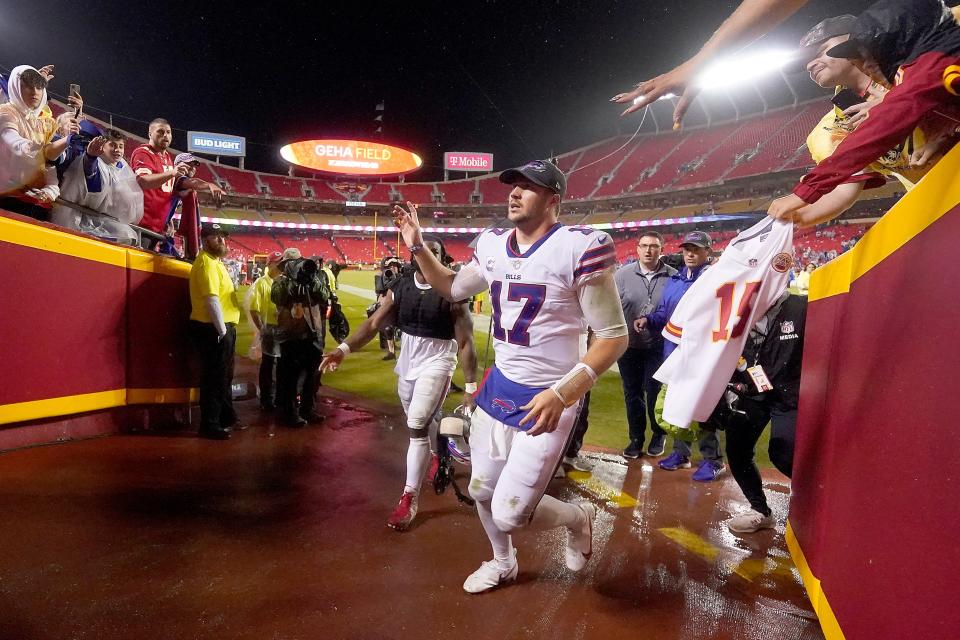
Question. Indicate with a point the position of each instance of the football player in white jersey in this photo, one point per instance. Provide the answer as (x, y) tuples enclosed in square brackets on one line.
[(547, 283), (435, 332)]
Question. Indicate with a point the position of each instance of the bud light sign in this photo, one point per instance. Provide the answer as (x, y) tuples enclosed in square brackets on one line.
[(216, 144), (467, 161)]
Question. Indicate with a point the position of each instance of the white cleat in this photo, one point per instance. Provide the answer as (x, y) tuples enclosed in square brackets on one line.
[(489, 576), (580, 541)]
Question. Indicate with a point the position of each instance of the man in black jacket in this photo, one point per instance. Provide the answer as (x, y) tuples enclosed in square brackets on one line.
[(766, 386)]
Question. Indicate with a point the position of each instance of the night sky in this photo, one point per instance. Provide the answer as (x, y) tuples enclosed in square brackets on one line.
[(519, 79)]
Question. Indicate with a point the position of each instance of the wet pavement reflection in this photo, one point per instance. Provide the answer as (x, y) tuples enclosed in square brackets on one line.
[(281, 533)]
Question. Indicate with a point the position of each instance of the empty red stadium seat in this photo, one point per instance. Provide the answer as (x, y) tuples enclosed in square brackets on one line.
[(240, 181), (418, 193), (457, 192), (283, 187)]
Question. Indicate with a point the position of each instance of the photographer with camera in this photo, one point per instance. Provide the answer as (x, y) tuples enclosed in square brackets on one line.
[(434, 333), (765, 389), (299, 293), (391, 268)]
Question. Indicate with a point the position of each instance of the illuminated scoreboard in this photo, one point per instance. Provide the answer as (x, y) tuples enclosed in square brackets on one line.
[(351, 157)]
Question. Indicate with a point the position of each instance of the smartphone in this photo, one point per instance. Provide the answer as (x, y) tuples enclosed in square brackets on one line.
[(75, 92), (846, 99)]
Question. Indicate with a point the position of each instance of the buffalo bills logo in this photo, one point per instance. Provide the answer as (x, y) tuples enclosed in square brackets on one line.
[(782, 262), (505, 406)]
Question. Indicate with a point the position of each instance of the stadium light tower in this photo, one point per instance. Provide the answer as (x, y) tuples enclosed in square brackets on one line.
[(732, 72)]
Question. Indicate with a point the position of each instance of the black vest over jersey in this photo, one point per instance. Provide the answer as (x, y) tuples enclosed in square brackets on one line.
[(422, 312)]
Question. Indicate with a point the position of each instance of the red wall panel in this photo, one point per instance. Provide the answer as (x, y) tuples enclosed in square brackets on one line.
[(63, 325)]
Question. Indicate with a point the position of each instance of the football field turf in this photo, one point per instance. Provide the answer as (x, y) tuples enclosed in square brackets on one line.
[(365, 374)]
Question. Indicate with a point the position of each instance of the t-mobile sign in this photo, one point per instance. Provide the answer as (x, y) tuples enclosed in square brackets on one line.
[(467, 161)]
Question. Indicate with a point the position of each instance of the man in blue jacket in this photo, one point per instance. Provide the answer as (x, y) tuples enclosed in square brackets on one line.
[(696, 250)]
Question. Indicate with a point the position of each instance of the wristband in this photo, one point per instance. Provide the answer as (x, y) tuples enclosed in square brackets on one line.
[(470, 387), (573, 386), (343, 346), (416, 248)]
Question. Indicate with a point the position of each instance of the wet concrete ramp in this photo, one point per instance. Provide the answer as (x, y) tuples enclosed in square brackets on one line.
[(282, 534)]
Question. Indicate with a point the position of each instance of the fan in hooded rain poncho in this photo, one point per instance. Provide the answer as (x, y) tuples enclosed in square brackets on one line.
[(28, 181), (95, 175)]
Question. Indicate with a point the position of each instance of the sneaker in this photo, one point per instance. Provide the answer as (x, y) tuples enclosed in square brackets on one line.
[(708, 471), (405, 512), (313, 417), (580, 541), (389, 356), (577, 463), (657, 442), (490, 576), (434, 467), (675, 461), (751, 522), (294, 421), (633, 450)]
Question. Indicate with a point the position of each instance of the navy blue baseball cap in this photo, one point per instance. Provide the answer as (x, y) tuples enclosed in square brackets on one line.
[(697, 239), (541, 172)]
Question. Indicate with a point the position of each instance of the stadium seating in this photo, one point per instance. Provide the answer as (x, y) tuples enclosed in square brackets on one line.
[(596, 162), (457, 192), (312, 245), (379, 193), (282, 187), (205, 172), (641, 155), (255, 243), (243, 182), (323, 191), (458, 248), (358, 250), (492, 191), (418, 193)]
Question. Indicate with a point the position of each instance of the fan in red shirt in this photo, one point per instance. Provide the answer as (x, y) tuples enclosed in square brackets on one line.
[(160, 178)]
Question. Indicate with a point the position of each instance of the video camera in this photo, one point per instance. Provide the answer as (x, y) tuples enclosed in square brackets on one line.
[(301, 276), (392, 269), (302, 271)]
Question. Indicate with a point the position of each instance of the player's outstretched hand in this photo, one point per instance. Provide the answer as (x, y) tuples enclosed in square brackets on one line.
[(331, 361), (408, 223), (678, 81), (544, 411), (786, 208)]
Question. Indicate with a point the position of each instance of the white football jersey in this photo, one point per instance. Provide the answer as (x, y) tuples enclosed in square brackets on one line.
[(538, 325), (714, 317)]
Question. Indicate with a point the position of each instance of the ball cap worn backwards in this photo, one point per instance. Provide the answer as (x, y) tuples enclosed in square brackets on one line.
[(540, 172)]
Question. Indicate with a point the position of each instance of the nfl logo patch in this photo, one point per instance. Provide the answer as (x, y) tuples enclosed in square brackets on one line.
[(490, 263), (786, 326), (753, 262), (517, 264)]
